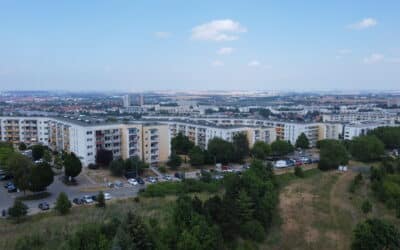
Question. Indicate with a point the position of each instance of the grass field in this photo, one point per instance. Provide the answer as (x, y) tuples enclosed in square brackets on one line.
[(315, 212), (319, 213)]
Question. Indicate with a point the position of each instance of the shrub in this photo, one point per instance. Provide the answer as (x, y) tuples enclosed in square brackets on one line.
[(253, 230), (63, 205), (18, 210), (366, 207), (162, 169), (101, 202), (298, 171)]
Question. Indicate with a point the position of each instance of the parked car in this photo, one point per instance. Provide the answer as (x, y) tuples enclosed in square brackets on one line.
[(140, 181), (94, 197), (12, 189), (167, 177), (110, 185), (179, 175), (4, 177), (8, 184), (87, 199), (77, 201), (281, 164), (118, 184), (44, 206), (133, 181), (107, 196), (151, 179)]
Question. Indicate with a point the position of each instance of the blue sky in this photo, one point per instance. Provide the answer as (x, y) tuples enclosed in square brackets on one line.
[(199, 45)]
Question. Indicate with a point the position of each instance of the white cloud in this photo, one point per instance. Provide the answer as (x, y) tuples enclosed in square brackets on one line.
[(162, 34), (254, 63), (217, 63), (363, 24), (374, 58), (225, 51), (218, 30)]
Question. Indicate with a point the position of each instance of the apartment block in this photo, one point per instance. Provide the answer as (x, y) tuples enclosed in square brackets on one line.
[(147, 140), (362, 128)]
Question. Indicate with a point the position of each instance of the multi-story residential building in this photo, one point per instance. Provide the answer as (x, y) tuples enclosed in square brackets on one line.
[(147, 140), (358, 116), (201, 132), (24, 129), (361, 128)]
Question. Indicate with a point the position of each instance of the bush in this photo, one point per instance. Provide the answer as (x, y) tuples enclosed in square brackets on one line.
[(253, 230), (63, 205), (366, 207), (162, 169), (298, 171), (18, 210), (101, 202), (22, 146)]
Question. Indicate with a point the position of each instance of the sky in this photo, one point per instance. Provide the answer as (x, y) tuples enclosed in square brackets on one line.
[(150, 45)]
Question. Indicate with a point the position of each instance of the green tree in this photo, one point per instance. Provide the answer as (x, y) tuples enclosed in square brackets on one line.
[(135, 164), (332, 154), (240, 147), (63, 204), (281, 148), (104, 157), (47, 157), (88, 237), (366, 206), (101, 202), (20, 167), (41, 176), (298, 171), (181, 144), (220, 150), (174, 161), (22, 146), (6, 150), (367, 148), (137, 231), (196, 156), (375, 234), (302, 141), (18, 210), (37, 151), (253, 230), (390, 136), (72, 165), (260, 150), (245, 206), (58, 162), (117, 167)]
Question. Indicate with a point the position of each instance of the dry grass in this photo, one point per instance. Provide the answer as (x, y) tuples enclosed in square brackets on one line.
[(320, 213)]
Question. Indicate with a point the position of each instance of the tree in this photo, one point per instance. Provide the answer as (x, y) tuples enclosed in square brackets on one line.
[(260, 150), (135, 164), (245, 207), (20, 167), (220, 150), (88, 237), (63, 205), (302, 141), (253, 230), (47, 157), (181, 144), (332, 154), (18, 210), (298, 171), (390, 136), (137, 232), (117, 167), (41, 176), (104, 157), (37, 151), (6, 150), (72, 165), (375, 234), (58, 162), (174, 161), (240, 147), (196, 156), (22, 146), (281, 148), (367, 148), (366, 206), (101, 202)]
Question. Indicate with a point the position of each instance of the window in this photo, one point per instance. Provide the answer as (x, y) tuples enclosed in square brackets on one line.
[(89, 132)]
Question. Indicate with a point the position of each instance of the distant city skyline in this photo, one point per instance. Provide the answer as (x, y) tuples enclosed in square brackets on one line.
[(134, 46)]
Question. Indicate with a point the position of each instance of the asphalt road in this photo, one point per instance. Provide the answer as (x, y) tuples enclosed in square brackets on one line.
[(7, 199)]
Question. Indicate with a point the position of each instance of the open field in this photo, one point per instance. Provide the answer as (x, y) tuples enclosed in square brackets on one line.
[(320, 213)]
